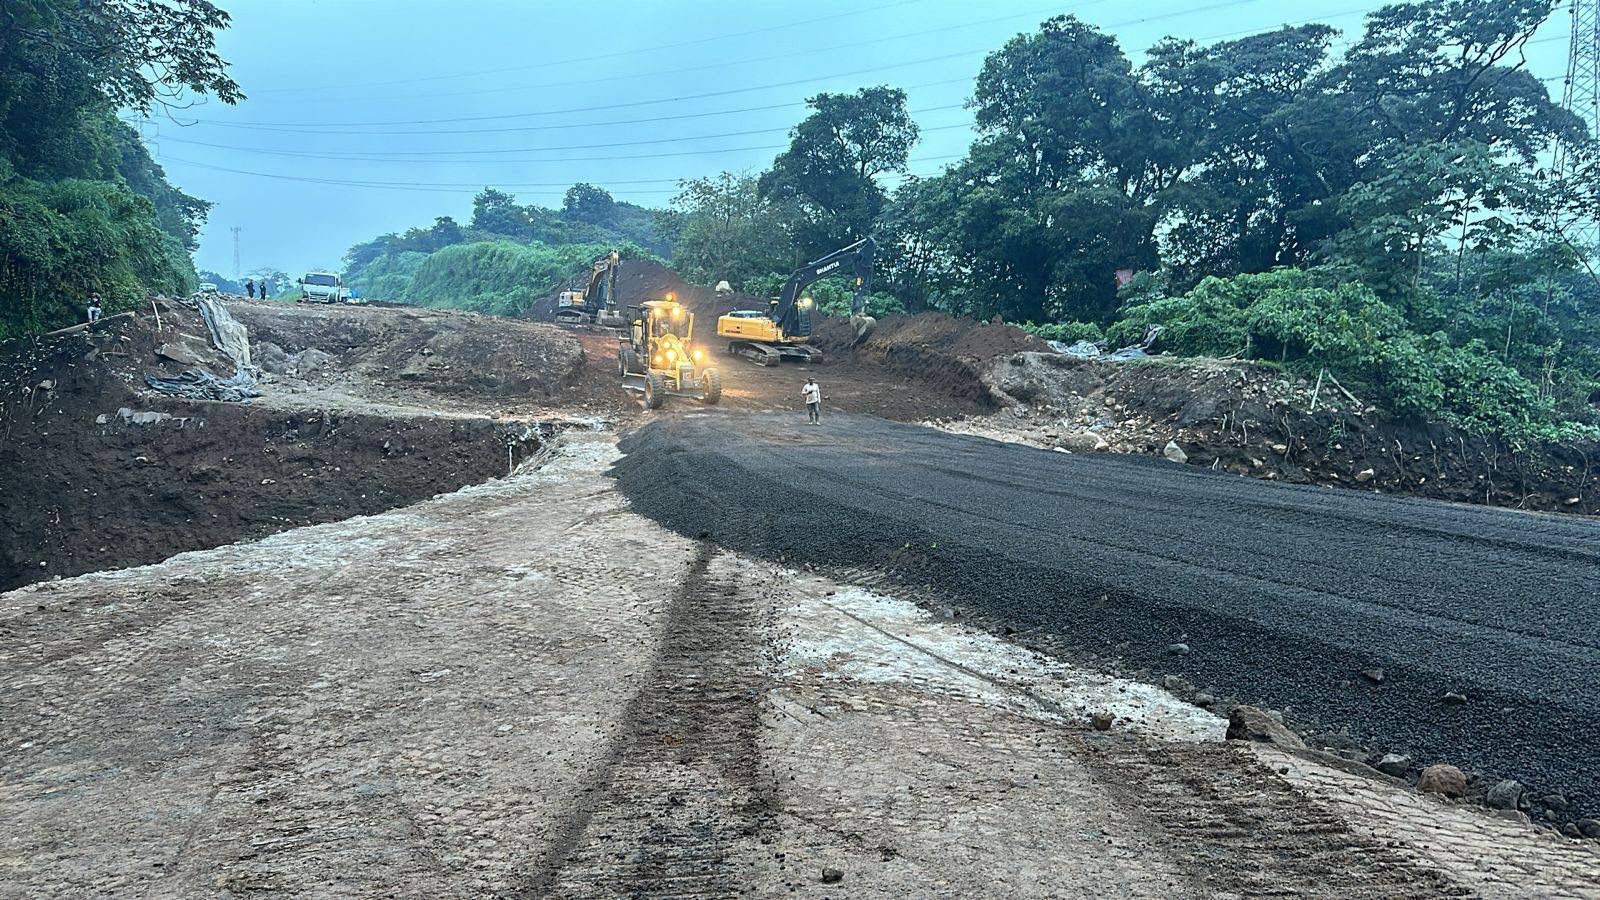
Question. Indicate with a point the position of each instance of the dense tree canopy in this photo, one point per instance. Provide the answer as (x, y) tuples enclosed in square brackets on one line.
[(1384, 212), (82, 206)]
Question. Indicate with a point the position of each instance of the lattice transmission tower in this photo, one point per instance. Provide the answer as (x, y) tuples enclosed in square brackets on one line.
[(1582, 98)]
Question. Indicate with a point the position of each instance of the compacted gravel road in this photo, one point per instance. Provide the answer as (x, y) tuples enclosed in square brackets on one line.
[(1447, 632)]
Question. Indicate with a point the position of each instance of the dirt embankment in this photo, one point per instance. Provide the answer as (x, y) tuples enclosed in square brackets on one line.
[(950, 355), (412, 348), (100, 472), (1253, 420)]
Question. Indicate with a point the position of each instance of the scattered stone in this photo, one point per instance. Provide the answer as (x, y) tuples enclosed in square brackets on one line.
[(1175, 684), (1573, 501), (1178, 649), (1394, 764), (1101, 721), (1504, 795), (1373, 675), (1175, 453), (1451, 698), (1555, 802), (1247, 723), (832, 876), (1365, 475), (1280, 448), (1204, 700), (1570, 830), (179, 354), (1589, 828), (1442, 778), (1084, 442)]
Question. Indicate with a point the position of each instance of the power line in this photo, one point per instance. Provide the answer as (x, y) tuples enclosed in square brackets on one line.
[(614, 158), (723, 93), (591, 58), (870, 42), (474, 187), (405, 155)]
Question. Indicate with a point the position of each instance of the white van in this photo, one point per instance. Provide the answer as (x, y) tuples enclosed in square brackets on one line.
[(323, 287)]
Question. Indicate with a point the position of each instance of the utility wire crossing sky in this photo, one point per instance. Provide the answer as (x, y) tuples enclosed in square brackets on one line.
[(365, 117)]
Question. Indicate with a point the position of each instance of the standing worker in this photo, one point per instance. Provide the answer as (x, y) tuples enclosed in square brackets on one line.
[(250, 288), (812, 392), (94, 308)]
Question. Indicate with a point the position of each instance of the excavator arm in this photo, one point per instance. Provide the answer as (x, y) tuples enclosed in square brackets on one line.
[(787, 312)]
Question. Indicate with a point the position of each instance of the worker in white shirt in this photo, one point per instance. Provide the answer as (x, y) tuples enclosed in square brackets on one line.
[(812, 392)]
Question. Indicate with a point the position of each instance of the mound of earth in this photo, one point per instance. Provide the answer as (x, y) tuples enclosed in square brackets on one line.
[(413, 348), (102, 472), (1250, 419), (951, 354)]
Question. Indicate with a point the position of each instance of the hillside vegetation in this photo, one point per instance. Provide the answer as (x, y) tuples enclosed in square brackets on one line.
[(1381, 214), (82, 205)]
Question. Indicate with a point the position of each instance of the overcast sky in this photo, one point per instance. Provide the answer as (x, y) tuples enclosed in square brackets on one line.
[(367, 116)]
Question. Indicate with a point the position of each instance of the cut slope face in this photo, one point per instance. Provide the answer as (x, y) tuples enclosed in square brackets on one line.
[(98, 472), (413, 349)]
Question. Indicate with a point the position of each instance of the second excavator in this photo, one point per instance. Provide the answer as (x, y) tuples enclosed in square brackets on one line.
[(783, 330), (596, 304)]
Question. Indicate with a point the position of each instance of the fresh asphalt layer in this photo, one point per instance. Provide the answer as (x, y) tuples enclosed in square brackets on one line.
[(1283, 595)]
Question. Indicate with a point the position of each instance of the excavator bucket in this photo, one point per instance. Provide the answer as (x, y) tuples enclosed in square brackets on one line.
[(863, 325)]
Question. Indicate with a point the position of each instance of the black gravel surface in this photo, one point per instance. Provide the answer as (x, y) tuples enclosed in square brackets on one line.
[(1283, 595)]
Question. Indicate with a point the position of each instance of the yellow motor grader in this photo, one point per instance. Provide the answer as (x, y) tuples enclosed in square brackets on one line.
[(659, 357)]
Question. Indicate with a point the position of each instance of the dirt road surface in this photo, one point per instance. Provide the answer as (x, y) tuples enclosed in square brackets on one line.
[(1476, 626), (526, 689)]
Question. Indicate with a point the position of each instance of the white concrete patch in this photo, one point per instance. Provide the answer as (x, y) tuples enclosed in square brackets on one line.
[(858, 635)]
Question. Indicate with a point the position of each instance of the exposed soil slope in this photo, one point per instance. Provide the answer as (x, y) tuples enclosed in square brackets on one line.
[(97, 471), (1250, 419)]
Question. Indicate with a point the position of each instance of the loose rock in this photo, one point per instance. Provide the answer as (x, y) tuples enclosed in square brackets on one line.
[(1175, 453), (1442, 778), (1504, 795), (832, 876), (1101, 721), (1451, 698), (1373, 675), (1247, 723), (1395, 764)]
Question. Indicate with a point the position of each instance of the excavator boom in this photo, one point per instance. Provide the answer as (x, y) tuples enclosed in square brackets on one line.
[(781, 332)]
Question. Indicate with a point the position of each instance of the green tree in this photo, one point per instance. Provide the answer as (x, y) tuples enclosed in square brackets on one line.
[(497, 212), (586, 203), (836, 154), (82, 206), (726, 229)]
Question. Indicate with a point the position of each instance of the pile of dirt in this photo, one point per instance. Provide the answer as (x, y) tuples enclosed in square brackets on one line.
[(1253, 420), (104, 473), (950, 354), (446, 353)]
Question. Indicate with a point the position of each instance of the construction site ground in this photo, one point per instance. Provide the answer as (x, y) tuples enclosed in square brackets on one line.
[(483, 684)]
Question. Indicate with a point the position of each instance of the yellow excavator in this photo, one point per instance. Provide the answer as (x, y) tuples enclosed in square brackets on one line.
[(659, 358), (782, 330), (597, 302)]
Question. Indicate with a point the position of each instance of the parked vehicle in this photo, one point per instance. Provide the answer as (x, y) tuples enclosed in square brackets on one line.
[(323, 287)]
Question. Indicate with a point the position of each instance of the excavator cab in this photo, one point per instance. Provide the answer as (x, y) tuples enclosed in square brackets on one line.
[(659, 357), (783, 330)]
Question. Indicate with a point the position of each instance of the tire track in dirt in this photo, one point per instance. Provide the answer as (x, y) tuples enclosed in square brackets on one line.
[(678, 789)]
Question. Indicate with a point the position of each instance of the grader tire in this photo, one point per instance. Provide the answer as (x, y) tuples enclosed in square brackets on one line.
[(710, 388), (655, 391), (627, 361)]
